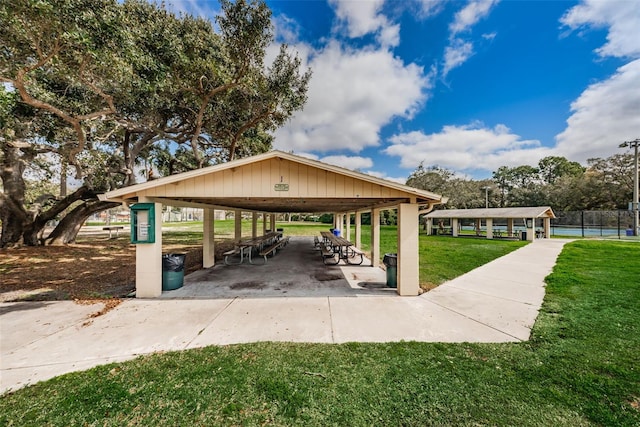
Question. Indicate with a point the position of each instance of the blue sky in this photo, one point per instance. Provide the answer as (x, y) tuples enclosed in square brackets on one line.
[(465, 85)]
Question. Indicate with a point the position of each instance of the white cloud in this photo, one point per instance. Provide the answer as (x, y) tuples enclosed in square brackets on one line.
[(456, 54), (352, 94), (399, 180), (389, 36), (428, 8), (606, 114), (469, 147), (459, 49), (349, 162), (621, 17), (468, 16), (359, 17)]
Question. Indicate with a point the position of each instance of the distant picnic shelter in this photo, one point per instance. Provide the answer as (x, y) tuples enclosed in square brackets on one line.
[(532, 222), (279, 182)]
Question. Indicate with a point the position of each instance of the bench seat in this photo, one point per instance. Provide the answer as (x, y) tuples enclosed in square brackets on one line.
[(273, 248), (230, 253)]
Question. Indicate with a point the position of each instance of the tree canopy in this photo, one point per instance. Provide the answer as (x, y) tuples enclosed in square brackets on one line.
[(556, 182), (108, 88)]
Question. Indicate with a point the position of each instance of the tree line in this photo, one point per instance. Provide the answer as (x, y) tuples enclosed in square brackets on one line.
[(604, 184), (103, 90)]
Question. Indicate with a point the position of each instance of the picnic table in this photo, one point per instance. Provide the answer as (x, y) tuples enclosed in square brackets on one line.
[(335, 248), (111, 228), (246, 247)]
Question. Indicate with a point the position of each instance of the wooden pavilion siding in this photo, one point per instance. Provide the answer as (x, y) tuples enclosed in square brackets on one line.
[(260, 180)]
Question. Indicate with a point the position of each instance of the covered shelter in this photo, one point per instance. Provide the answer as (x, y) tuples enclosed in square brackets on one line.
[(270, 183), (530, 222)]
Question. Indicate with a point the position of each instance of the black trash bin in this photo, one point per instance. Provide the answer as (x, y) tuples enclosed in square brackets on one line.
[(391, 262), (523, 235), (172, 271)]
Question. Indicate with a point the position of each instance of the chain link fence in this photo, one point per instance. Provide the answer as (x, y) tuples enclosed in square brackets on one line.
[(593, 223)]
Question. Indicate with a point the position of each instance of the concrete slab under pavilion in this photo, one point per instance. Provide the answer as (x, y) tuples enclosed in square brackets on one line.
[(278, 182)]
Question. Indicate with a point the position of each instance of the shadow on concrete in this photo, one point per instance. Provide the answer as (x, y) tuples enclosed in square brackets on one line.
[(295, 271)]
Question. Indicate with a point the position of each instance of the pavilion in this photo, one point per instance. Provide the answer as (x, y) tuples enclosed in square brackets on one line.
[(535, 222), (279, 182)]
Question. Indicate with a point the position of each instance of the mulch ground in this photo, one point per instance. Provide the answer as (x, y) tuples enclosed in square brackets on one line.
[(88, 270)]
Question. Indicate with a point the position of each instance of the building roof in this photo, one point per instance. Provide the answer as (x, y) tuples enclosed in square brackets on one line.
[(276, 182), (525, 212)]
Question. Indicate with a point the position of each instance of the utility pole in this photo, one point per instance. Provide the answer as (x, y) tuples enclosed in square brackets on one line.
[(634, 203), (486, 197)]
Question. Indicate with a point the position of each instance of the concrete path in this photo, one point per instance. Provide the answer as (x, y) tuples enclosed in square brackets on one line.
[(497, 302)]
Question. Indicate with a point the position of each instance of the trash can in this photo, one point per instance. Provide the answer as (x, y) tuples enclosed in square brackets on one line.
[(391, 262), (172, 271), (523, 235)]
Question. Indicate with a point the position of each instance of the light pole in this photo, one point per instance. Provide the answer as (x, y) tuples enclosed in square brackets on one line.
[(486, 197), (634, 203)]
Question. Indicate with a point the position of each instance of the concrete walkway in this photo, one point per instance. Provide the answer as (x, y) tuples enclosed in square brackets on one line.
[(497, 302)]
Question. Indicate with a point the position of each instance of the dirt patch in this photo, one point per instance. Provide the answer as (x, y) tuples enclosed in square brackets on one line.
[(92, 269)]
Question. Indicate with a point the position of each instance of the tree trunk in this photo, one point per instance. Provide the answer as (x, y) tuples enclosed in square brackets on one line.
[(12, 212), (67, 230)]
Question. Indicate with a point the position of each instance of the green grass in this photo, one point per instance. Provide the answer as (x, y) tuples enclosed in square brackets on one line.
[(580, 368)]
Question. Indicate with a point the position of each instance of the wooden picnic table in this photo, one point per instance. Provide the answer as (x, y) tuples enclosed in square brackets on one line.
[(245, 247), (338, 248)]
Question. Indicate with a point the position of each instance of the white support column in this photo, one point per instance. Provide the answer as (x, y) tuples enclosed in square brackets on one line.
[(238, 225), (208, 235), (254, 225), (547, 228), (358, 230), (429, 226), (454, 227), (149, 260), (489, 228), (347, 226), (408, 258), (531, 231), (375, 237)]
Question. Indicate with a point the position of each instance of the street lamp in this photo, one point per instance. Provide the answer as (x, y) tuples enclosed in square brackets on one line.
[(634, 203), (486, 197)]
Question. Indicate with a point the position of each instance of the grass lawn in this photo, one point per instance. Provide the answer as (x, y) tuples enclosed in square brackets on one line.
[(580, 368)]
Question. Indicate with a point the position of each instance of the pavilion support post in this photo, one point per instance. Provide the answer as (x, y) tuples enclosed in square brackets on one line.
[(454, 227), (547, 228), (408, 261), (510, 227), (264, 223), (489, 228), (272, 222), (254, 224), (149, 260), (531, 231), (375, 238), (428, 223), (238, 225), (358, 229), (347, 226), (208, 234)]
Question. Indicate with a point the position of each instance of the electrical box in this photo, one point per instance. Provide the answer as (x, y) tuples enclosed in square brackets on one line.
[(143, 223)]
